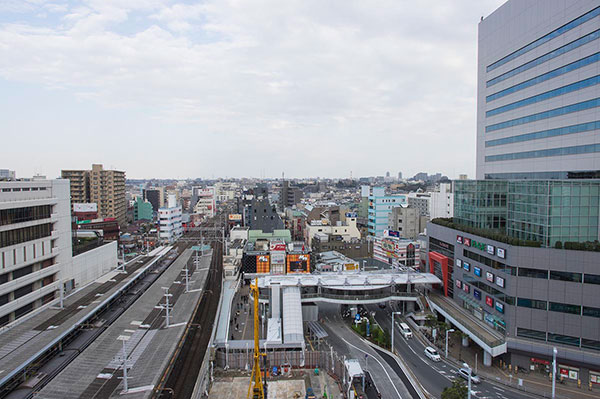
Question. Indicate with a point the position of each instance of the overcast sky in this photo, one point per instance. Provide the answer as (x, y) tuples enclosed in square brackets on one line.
[(223, 88)]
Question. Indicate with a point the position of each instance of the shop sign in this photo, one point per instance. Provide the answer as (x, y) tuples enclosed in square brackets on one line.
[(393, 233), (458, 262), (477, 293), (467, 241), (569, 372), (489, 277), (477, 271), (499, 307), (501, 253), (459, 239), (489, 301), (467, 266), (466, 288), (458, 284), (500, 281), (540, 361), (595, 377), (490, 249), (235, 217)]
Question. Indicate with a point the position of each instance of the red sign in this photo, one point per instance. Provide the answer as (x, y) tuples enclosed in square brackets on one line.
[(540, 361), (467, 241), (489, 301)]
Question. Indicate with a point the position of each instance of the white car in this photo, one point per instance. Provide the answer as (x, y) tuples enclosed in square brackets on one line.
[(432, 354), (464, 373)]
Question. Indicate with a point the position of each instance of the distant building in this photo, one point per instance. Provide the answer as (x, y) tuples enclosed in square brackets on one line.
[(407, 221), (263, 216), (6, 174), (106, 188), (399, 175), (289, 196), (347, 230), (463, 177), (154, 197), (206, 203), (169, 221), (380, 206), (355, 249), (142, 210)]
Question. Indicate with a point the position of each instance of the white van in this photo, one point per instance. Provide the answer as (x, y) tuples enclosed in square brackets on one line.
[(405, 330)]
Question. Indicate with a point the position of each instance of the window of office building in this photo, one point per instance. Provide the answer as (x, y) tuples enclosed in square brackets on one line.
[(591, 278), (565, 276), (590, 344), (534, 273), (531, 303), (590, 311), (25, 214), (17, 236), (565, 308), (563, 339), (533, 334)]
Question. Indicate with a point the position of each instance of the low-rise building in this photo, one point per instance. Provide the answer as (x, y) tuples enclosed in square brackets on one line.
[(142, 210), (407, 221), (395, 251), (348, 230), (355, 249)]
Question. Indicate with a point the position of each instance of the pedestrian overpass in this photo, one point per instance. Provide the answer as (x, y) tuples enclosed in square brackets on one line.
[(350, 288)]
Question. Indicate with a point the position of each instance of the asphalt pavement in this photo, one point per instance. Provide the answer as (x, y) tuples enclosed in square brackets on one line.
[(434, 376), (346, 342)]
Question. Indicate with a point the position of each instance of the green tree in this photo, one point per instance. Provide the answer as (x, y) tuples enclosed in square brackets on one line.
[(458, 390)]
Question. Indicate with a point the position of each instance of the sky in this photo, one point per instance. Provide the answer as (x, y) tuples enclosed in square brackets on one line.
[(234, 88)]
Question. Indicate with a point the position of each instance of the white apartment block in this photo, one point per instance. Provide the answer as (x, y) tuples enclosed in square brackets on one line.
[(169, 219)]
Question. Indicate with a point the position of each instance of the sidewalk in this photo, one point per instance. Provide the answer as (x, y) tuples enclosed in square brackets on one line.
[(534, 382)]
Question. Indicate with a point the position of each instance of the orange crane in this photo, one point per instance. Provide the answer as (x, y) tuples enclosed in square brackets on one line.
[(257, 389)]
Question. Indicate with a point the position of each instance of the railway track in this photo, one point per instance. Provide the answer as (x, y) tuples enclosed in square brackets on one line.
[(180, 376)]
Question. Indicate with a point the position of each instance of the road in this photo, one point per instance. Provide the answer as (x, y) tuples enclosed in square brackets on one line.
[(345, 342), (434, 376)]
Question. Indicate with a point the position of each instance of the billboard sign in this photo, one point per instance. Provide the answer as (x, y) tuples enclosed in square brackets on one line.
[(235, 217), (262, 263), (459, 262), (459, 239), (467, 266), (489, 277), (500, 307), (477, 271), (489, 301), (477, 294), (490, 249), (501, 253), (500, 281), (298, 263)]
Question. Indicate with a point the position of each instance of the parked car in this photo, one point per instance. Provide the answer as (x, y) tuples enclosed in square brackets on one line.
[(464, 373), (432, 354)]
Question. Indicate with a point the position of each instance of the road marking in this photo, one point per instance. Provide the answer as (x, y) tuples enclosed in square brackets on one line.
[(377, 360), (499, 389)]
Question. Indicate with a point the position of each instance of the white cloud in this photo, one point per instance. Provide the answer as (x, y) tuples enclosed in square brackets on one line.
[(386, 86)]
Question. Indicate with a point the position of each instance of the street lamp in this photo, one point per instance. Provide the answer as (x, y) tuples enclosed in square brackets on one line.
[(393, 328), (466, 366), (554, 352), (448, 332)]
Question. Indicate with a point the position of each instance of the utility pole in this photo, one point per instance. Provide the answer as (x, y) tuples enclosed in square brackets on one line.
[(124, 338), (167, 295), (554, 352)]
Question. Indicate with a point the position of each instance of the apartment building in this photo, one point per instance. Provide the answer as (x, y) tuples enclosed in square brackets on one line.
[(106, 188)]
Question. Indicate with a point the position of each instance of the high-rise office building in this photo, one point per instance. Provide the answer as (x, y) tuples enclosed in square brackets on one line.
[(538, 94), (519, 259), (106, 188)]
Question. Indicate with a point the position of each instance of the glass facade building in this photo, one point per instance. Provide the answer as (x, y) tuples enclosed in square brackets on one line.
[(545, 211)]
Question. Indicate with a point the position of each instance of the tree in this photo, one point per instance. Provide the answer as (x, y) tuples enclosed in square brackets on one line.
[(458, 390)]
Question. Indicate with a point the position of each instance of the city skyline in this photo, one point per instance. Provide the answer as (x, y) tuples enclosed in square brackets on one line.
[(223, 85)]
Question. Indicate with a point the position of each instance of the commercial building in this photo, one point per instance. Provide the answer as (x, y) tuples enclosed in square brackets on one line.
[(206, 201), (355, 248), (347, 229), (519, 259), (407, 221), (36, 249), (142, 210), (538, 92), (106, 188), (169, 221), (85, 211), (380, 206), (395, 251)]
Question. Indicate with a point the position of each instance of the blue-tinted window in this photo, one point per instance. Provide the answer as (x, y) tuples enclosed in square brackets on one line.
[(546, 57), (544, 77), (561, 131), (552, 152), (531, 303), (546, 38), (545, 115), (563, 339), (582, 84), (533, 334)]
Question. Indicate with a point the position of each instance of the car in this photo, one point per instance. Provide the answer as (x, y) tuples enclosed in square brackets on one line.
[(432, 354), (464, 373)]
